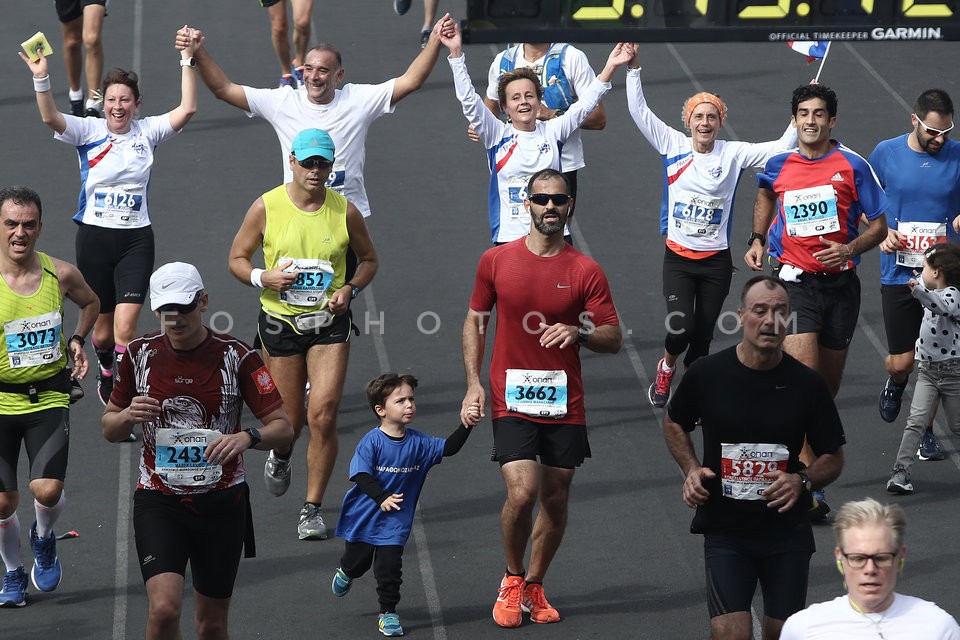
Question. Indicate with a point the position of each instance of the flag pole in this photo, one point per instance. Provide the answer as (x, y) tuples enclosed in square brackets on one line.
[(822, 60)]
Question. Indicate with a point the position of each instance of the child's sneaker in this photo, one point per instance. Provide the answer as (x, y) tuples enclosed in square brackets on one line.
[(389, 624), (341, 583)]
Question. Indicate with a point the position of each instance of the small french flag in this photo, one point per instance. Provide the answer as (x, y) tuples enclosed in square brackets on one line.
[(813, 49)]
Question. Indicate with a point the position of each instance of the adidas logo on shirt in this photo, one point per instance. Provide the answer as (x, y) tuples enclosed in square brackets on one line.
[(836, 177)]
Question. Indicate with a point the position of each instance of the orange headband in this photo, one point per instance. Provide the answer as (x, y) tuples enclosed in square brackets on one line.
[(698, 99)]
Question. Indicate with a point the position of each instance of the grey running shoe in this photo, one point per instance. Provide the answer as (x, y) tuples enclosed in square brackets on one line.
[(311, 525), (424, 38), (890, 399), (401, 6), (929, 447), (899, 481), (276, 474)]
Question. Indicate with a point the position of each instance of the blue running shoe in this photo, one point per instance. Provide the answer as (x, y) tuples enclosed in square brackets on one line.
[(287, 80), (14, 593), (389, 624), (341, 583), (930, 447), (890, 399), (46, 572), (297, 73)]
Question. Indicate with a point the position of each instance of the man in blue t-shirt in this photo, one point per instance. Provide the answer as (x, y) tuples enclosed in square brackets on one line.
[(389, 468), (920, 172)]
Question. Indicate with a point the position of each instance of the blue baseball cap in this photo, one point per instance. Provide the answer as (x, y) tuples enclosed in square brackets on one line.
[(313, 142)]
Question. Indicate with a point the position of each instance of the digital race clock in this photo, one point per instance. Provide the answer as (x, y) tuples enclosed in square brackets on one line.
[(709, 20)]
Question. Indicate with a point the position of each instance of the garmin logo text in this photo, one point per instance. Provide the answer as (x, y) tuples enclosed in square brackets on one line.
[(906, 33)]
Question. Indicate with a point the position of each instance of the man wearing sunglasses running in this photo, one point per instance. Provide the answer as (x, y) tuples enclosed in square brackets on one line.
[(920, 172), (536, 388), (305, 230)]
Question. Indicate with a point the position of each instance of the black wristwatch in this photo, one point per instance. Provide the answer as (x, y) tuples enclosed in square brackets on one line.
[(757, 236), (582, 335), (805, 479), (78, 338), (354, 290), (254, 434)]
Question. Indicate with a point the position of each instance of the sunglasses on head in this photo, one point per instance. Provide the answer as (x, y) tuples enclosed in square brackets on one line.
[(541, 199), (315, 162), (930, 131)]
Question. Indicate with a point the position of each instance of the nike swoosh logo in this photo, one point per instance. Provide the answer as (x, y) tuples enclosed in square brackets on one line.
[(164, 286), (779, 387), (563, 286)]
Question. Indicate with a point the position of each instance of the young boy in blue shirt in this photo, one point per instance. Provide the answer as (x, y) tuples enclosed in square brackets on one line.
[(389, 468)]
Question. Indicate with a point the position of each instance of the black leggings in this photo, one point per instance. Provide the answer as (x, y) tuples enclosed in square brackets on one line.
[(387, 564), (694, 291)]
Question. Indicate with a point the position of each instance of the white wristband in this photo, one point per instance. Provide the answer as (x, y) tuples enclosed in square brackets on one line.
[(41, 84), (255, 278)]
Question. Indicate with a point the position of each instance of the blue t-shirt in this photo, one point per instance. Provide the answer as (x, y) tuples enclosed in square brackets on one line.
[(399, 466), (921, 188)]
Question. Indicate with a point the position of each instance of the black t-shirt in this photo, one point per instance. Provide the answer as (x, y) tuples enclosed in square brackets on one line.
[(739, 405)]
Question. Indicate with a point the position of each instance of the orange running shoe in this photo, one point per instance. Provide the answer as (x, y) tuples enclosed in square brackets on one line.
[(535, 603), (506, 610)]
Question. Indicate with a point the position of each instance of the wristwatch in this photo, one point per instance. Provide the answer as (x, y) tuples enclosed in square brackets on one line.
[(354, 290), (757, 236), (805, 479), (254, 434), (78, 338), (188, 62)]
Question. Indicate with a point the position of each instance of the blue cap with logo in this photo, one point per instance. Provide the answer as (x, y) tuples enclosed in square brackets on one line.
[(313, 142)]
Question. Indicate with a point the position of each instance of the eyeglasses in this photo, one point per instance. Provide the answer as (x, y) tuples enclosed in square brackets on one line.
[(880, 560), (930, 131), (541, 199), (315, 162)]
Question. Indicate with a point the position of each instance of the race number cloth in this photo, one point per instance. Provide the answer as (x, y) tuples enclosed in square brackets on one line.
[(536, 393), (180, 459), (920, 236), (314, 277), (745, 468), (33, 341)]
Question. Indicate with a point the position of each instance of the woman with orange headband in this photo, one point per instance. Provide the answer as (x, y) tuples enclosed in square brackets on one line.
[(701, 175)]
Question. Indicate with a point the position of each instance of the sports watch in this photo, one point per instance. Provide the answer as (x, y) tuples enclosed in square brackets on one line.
[(188, 62), (757, 236), (805, 479), (255, 437)]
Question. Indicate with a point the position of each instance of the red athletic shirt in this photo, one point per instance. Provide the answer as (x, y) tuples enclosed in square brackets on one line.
[(526, 289), (204, 387)]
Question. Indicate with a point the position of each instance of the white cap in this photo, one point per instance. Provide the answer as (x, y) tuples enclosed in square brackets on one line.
[(174, 283)]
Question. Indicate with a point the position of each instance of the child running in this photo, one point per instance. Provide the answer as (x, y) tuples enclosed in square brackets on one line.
[(389, 468), (937, 355)]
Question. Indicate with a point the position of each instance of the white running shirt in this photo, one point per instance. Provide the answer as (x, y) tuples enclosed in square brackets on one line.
[(513, 156), (907, 618), (698, 200), (577, 69), (115, 169), (347, 118)]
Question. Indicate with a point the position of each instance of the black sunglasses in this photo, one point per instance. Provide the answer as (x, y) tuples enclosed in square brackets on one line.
[(182, 309), (541, 199), (315, 162)]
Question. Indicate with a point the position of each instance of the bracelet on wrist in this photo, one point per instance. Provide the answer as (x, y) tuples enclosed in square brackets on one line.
[(41, 84)]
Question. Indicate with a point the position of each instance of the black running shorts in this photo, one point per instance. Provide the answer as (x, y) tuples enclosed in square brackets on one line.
[(46, 437), (207, 529), (560, 445)]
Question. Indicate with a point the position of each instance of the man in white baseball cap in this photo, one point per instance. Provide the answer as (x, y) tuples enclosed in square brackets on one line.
[(186, 386)]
